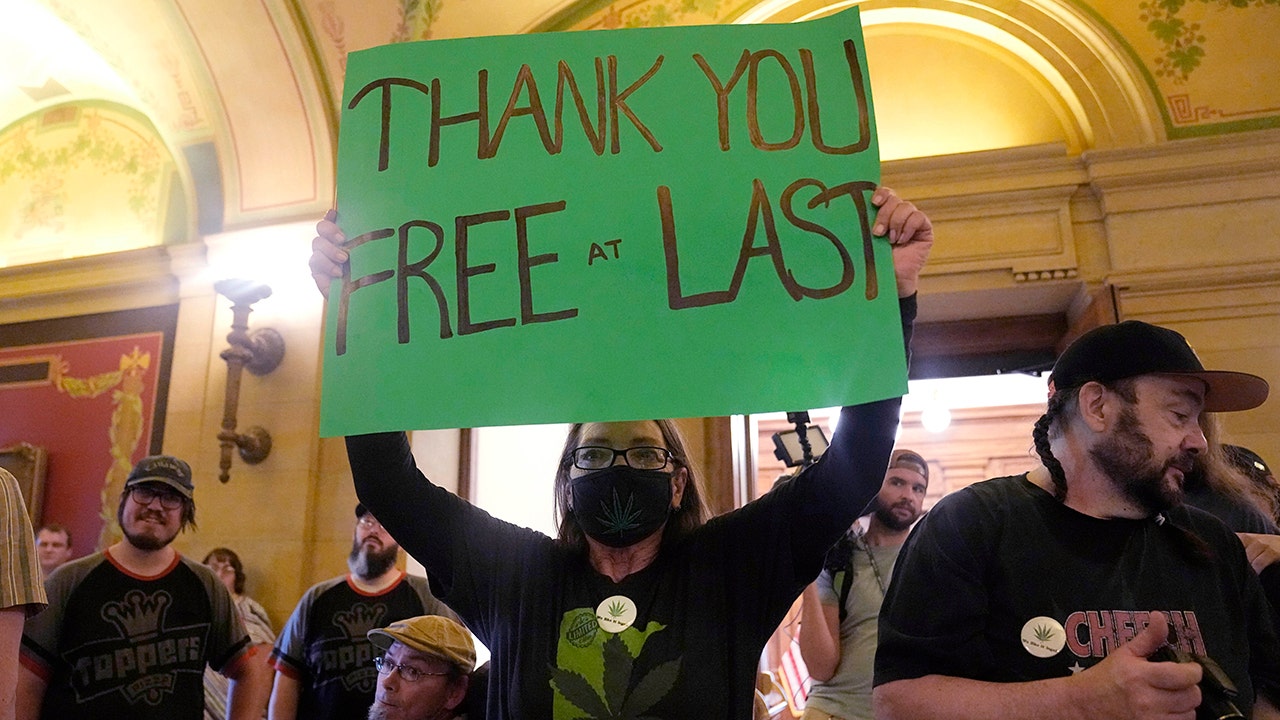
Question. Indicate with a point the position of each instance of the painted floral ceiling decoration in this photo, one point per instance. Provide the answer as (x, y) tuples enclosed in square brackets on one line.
[(233, 106)]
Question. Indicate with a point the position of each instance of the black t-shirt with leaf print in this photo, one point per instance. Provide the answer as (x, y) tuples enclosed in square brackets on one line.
[(681, 638)]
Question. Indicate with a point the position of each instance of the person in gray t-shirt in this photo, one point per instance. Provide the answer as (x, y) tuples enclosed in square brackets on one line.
[(841, 609)]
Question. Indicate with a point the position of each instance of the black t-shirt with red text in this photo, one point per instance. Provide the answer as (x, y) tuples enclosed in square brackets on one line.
[(1035, 590)]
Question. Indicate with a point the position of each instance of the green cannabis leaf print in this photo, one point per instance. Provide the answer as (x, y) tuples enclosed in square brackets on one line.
[(619, 518), (620, 700)]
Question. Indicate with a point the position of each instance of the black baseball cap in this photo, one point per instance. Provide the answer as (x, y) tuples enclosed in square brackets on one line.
[(165, 469), (361, 510), (1131, 348)]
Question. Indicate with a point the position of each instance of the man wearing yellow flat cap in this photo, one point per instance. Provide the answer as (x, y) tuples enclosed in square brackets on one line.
[(424, 669)]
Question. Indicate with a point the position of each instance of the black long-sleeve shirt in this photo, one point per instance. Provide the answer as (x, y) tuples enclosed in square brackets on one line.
[(682, 637)]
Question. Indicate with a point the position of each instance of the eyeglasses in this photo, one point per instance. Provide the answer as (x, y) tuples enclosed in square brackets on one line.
[(591, 457), (369, 522), (144, 495), (408, 673)]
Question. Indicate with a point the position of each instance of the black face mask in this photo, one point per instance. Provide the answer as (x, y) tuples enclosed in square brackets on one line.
[(619, 505)]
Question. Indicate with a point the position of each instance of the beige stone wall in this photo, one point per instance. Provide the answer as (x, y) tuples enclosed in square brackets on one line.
[(290, 517)]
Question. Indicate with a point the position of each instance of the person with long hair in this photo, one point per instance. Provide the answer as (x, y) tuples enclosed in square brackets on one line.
[(1067, 591), (641, 607), (227, 567), (1218, 486)]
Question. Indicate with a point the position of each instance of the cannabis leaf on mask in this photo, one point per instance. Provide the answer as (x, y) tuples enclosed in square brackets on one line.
[(619, 518)]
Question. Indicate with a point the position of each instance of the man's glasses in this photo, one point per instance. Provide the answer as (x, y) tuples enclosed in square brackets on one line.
[(369, 522), (144, 495), (591, 457), (408, 673)]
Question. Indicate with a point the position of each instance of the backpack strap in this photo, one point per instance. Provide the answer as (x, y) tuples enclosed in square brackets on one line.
[(839, 562)]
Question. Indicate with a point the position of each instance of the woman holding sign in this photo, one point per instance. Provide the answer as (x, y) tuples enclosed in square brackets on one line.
[(639, 608)]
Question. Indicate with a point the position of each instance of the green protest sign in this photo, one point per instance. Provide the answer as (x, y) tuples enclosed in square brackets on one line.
[(609, 225)]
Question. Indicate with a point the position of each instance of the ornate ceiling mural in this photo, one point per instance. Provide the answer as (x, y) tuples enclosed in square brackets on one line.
[(1214, 64), (645, 13), (135, 39), (82, 179), (1191, 53), (245, 92)]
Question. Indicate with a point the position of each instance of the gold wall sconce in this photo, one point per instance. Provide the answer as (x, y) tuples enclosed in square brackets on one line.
[(259, 351)]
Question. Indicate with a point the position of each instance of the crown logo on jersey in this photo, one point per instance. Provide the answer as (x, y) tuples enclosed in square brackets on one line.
[(362, 618), (139, 615)]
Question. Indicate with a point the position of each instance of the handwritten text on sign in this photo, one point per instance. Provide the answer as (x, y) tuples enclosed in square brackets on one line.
[(605, 225)]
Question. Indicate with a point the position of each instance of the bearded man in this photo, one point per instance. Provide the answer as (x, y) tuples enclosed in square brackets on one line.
[(323, 657), (128, 631), (841, 609), (1085, 588)]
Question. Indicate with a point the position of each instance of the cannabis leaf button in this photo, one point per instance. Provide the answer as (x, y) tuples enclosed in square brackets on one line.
[(616, 613), (1043, 636)]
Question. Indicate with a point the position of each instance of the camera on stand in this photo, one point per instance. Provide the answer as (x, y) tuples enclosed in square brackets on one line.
[(802, 446)]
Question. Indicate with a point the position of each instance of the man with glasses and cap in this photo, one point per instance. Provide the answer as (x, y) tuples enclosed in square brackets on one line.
[(1064, 592), (129, 631), (323, 658), (424, 670)]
